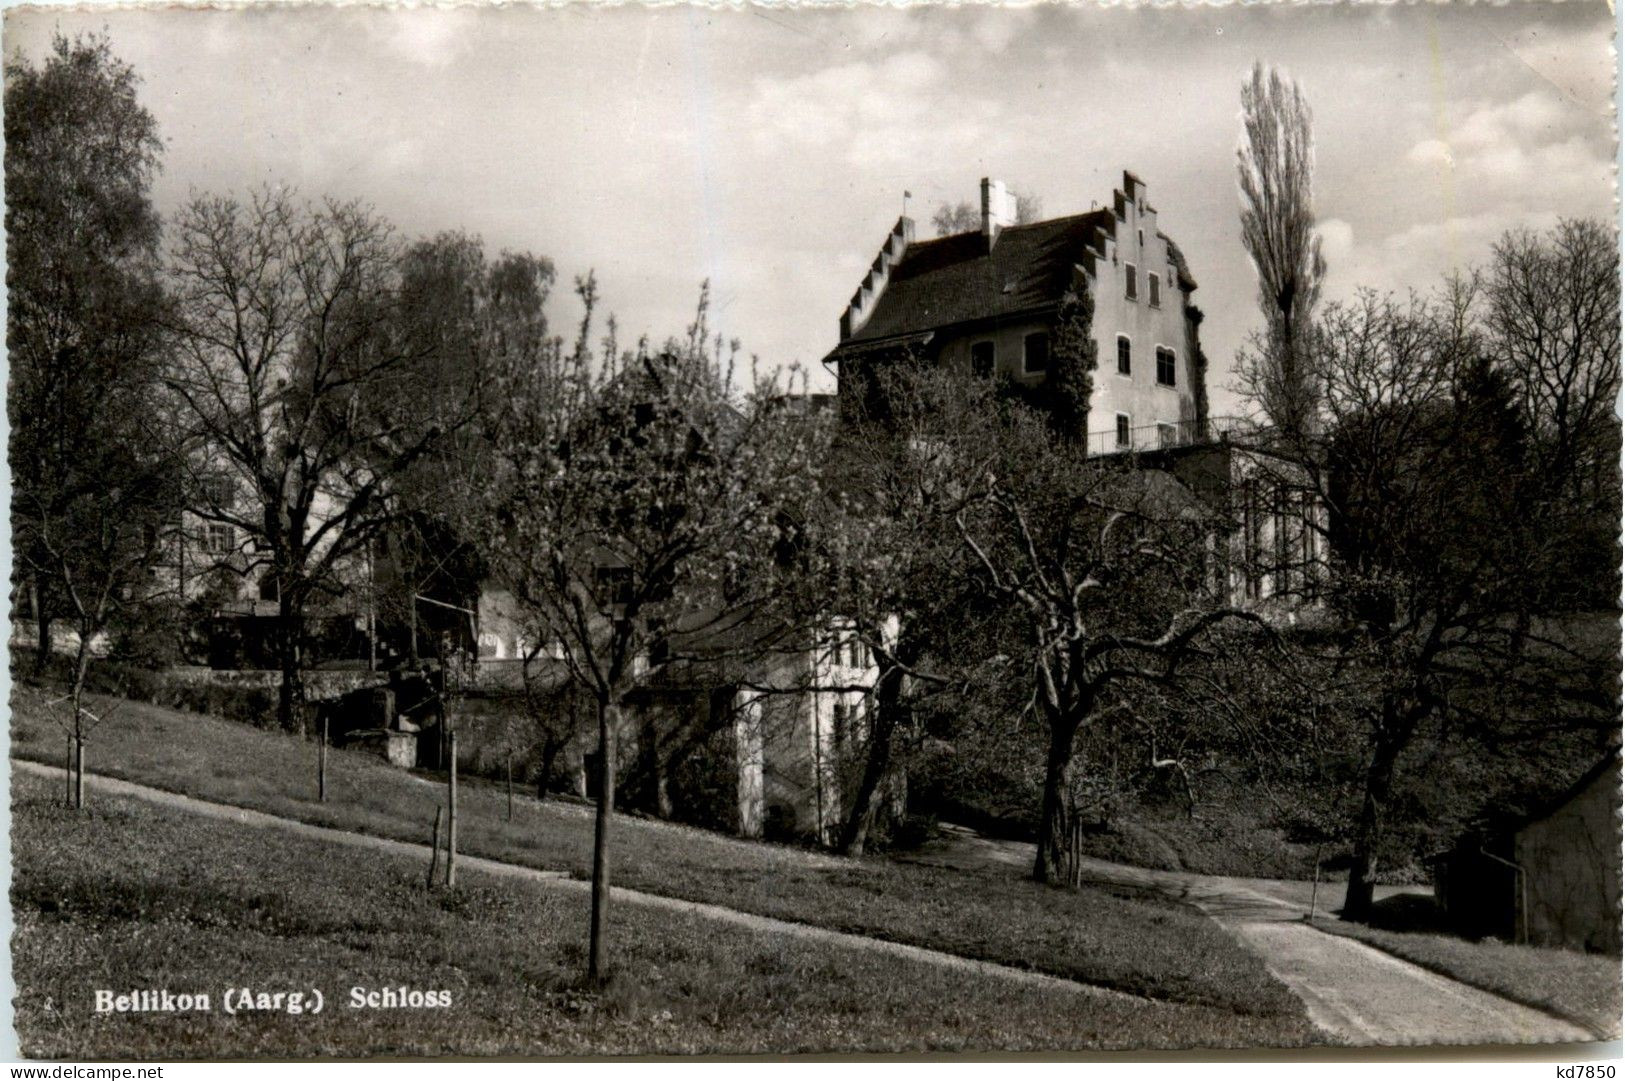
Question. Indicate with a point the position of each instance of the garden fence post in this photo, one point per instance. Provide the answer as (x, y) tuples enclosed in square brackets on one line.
[(321, 762), (451, 819), (434, 849)]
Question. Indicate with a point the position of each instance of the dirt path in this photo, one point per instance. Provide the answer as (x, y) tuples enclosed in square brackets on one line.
[(1358, 994), (560, 880)]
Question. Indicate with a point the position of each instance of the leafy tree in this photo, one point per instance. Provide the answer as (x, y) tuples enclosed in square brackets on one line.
[(91, 496), (1275, 172), (882, 556), (635, 499), (462, 315)]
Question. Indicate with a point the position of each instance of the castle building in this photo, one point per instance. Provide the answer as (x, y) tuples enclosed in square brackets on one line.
[(988, 303)]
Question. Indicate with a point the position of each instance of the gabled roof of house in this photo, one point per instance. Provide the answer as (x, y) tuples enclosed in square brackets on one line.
[(956, 279), (1497, 825)]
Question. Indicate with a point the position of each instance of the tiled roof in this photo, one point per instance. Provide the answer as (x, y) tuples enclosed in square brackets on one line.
[(955, 279)]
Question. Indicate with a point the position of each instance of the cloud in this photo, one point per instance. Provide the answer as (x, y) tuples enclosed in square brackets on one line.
[(1433, 153), (880, 114), (1336, 239), (1529, 153)]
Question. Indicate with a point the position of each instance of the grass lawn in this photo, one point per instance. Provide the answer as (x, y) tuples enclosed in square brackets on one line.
[(1115, 938), (1583, 988), (127, 895)]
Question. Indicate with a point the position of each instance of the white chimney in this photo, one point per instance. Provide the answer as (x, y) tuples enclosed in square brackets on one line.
[(998, 209)]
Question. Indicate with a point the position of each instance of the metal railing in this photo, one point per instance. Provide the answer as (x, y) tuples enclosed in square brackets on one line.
[(1180, 433)]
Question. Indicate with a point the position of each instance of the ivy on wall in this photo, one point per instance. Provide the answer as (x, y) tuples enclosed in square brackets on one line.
[(1193, 349), (1064, 396)]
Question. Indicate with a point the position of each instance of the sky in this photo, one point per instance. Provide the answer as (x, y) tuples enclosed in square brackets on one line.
[(767, 149)]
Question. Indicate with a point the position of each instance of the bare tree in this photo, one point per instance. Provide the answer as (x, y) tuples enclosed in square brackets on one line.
[(1275, 166), (1103, 569), (1440, 520), (1552, 313), (303, 401)]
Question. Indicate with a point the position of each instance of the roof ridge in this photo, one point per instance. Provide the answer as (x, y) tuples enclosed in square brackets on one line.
[(1012, 228)]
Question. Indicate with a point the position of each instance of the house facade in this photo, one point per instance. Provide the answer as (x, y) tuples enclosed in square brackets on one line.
[(987, 302), (759, 738)]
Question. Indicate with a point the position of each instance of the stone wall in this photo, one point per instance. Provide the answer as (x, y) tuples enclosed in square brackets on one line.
[(321, 683)]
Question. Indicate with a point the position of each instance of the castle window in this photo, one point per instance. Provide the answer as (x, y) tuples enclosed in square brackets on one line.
[(1167, 435), (1155, 299), (219, 540), (1035, 353), (981, 359), (1124, 361), (842, 724), (1131, 282), (1122, 430), (218, 492), (1165, 366)]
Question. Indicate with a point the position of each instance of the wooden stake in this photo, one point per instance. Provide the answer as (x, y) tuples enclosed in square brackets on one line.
[(508, 762), (321, 763), (67, 776), (451, 820), (434, 850), (79, 775), (597, 935), (1314, 891)]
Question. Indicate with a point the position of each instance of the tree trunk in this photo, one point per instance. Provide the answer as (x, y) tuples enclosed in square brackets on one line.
[(877, 764), (76, 701), (598, 949), (321, 762), (79, 773), (434, 849), (1054, 859), (451, 818), (550, 755), (291, 695), (1379, 783), (42, 620)]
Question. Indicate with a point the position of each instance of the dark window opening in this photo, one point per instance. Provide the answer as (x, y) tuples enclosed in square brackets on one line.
[(981, 359), (1122, 430), (1165, 367), (1124, 361), (613, 585), (219, 539), (1155, 297), (1131, 281), (1035, 353)]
